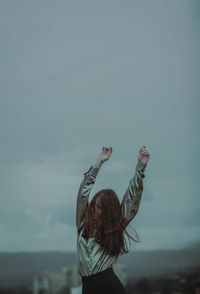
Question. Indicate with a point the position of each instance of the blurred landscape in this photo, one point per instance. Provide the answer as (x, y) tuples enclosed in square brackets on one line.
[(17, 270)]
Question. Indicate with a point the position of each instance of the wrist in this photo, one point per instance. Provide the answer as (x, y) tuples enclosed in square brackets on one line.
[(141, 166), (98, 163)]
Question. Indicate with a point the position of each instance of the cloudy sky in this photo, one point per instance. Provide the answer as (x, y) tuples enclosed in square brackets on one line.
[(79, 75)]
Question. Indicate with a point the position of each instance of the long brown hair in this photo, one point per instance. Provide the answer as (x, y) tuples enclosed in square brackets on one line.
[(110, 225)]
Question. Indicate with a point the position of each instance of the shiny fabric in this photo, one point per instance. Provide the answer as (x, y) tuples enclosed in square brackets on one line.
[(88, 259), (105, 282)]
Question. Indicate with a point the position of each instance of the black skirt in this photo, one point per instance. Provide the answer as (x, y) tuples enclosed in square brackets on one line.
[(104, 282)]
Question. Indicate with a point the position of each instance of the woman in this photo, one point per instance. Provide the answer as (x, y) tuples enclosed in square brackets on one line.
[(101, 226)]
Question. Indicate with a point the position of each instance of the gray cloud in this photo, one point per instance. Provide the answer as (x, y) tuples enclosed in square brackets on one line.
[(78, 76)]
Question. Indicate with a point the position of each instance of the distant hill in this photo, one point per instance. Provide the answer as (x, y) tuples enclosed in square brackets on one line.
[(18, 267), (147, 263)]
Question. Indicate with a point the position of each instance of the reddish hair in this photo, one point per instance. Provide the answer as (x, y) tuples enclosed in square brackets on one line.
[(110, 225)]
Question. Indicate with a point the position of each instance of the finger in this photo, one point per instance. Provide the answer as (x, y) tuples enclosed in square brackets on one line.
[(144, 148), (145, 153)]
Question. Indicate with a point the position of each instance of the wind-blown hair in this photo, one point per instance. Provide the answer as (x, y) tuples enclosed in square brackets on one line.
[(110, 225)]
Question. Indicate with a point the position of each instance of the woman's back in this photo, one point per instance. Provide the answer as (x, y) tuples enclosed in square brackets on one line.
[(89, 257), (93, 258)]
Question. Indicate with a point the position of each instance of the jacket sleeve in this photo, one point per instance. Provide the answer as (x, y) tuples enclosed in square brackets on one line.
[(131, 199), (84, 193)]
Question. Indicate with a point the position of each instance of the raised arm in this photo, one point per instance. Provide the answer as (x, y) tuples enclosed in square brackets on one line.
[(132, 197), (84, 193), (87, 184)]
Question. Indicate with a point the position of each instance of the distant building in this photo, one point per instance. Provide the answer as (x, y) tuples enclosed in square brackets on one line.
[(73, 278), (76, 290), (68, 281), (50, 283), (120, 270)]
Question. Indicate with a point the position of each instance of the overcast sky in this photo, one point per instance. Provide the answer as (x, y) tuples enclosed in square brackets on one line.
[(79, 75)]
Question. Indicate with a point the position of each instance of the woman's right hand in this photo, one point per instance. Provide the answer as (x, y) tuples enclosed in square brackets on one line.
[(105, 154), (143, 155)]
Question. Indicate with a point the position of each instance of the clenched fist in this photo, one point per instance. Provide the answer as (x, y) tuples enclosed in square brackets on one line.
[(105, 154), (143, 155)]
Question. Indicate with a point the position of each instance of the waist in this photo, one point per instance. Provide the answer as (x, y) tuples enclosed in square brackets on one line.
[(104, 272)]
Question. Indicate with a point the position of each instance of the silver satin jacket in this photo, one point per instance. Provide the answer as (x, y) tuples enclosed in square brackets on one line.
[(88, 260)]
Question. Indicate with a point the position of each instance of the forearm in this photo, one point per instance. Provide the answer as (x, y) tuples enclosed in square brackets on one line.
[(98, 163), (132, 197), (84, 192)]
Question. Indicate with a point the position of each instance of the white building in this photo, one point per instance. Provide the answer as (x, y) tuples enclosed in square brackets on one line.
[(50, 283), (120, 270), (76, 290), (68, 281), (73, 278)]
